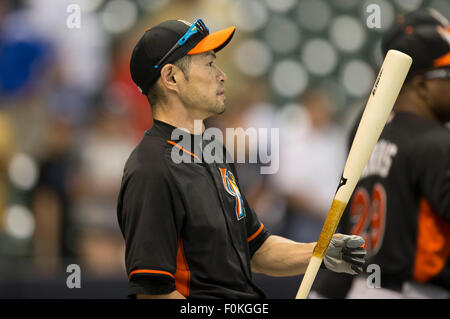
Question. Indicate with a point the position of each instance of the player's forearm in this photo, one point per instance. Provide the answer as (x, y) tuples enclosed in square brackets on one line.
[(280, 257)]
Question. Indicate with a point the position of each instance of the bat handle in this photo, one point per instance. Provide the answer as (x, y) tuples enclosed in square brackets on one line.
[(308, 278)]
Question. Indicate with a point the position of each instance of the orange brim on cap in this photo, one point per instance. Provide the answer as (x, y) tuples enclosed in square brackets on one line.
[(213, 41), (442, 61)]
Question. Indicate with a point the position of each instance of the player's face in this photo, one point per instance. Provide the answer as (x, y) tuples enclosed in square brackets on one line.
[(439, 94), (204, 92)]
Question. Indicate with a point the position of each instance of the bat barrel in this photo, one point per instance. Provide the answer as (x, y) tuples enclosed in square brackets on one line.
[(382, 98)]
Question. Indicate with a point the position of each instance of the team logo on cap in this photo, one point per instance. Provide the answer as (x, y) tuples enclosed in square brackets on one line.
[(231, 187)]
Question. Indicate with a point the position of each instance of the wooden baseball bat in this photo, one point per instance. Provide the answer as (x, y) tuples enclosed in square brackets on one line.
[(382, 98)]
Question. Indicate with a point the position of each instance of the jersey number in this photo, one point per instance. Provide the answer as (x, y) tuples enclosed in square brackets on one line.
[(368, 216)]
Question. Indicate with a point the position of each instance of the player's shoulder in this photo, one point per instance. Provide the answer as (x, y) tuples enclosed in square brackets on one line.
[(438, 135), (431, 141), (434, 136), (421, 131), (149, 157)]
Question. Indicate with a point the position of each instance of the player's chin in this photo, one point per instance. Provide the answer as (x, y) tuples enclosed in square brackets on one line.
[(220, 108), (220, 104)]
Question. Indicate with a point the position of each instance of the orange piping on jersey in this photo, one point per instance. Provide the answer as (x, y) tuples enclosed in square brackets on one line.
[(183, 149), (150, 271), (256, 233), (183, 274), (433, 243)]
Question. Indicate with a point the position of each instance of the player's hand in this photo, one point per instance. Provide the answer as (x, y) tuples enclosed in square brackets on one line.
[(345, 254)]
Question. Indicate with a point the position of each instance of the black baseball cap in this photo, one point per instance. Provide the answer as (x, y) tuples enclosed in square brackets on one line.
[(158, 40), (424, 35)]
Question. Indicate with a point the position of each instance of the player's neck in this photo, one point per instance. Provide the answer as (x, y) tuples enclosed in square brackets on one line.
[(415, 105), (177, 115)]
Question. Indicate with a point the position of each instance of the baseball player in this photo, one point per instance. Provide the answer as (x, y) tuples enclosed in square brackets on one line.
[(189, 230), (401, 205)]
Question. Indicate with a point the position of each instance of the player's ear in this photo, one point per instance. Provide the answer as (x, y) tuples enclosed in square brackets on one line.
[(419, 85), (170, 77)]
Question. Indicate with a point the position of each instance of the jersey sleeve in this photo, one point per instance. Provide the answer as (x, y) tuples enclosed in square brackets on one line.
[(149, 223), (256, 231), (432, 171)]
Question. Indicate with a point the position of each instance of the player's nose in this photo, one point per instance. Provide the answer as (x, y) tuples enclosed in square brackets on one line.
[(221, 75)]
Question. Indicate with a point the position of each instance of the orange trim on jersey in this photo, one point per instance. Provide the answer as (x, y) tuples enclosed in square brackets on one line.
[(442, 61), (256, 233), (433, 244), (183, 274), (183, 149), (150, 271)]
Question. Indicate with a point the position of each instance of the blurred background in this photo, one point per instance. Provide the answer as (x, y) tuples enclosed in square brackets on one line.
[(70, 116)]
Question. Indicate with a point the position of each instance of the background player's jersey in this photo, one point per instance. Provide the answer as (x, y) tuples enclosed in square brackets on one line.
[(401, 206)]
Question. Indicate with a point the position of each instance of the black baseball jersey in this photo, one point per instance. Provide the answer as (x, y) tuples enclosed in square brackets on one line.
[(186, 226), (401, 205)]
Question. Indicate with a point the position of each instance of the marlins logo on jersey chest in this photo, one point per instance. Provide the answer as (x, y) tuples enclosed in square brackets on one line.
[(230, 185)]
